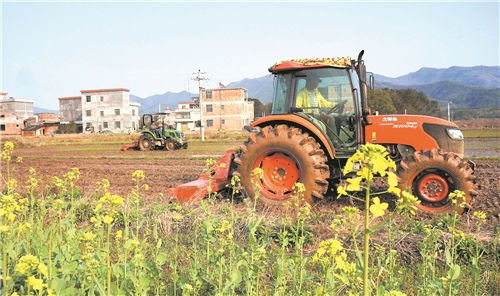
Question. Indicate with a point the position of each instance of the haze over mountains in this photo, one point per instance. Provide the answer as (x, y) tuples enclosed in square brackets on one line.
[(465, 87)]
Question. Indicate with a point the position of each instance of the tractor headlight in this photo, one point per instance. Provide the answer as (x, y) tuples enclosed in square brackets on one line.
[(455, 133)]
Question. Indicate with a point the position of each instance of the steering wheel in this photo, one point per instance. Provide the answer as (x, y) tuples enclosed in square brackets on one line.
[(339, 108)]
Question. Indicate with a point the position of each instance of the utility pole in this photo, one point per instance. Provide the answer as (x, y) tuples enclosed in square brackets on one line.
[(449, 111), (200, 77)]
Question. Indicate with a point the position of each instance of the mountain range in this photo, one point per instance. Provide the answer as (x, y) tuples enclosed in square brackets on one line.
[(465, 87)]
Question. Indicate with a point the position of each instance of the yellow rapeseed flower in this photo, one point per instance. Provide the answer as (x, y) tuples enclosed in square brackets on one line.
[(88, 236), (107, 219), (119, 234), (36, 284), (257, 173), (225, 225), (138, 175), (8, 148), (27, 264), (22, 227), (42, 269), (377, 208), (480, 216), (11, 217), (332, 246), (299, 188)]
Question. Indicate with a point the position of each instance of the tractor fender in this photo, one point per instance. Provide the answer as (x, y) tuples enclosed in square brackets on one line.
[(300, 122), (147, 132)]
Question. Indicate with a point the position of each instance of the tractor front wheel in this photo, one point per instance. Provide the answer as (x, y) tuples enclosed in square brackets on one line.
[(146, 143), (431, 175), (170, 145), (284, 156)]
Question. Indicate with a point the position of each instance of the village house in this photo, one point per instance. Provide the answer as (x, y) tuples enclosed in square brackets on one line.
[(186, 116), (226, 109), (18, 107), (12, 113), (10, 124), (101, 110), (40, 124)]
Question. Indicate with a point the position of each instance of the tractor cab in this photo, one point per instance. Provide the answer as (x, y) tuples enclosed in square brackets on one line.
[(324, 92)]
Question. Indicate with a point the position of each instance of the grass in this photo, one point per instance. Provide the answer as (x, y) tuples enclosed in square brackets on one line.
[(481, 134)]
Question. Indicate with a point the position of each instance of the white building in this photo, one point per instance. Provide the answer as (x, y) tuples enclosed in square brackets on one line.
[(21, 108), (186, 116), (109, 109)]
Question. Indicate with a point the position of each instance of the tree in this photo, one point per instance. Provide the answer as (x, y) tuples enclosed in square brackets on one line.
[(380, 100), (402, 101), (260, 109)]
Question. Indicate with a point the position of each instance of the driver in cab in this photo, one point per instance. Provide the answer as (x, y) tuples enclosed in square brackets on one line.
[(310, 99)]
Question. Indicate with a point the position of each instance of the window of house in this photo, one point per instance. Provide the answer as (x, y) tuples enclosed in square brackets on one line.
[(210, 122), (102, 99), (222, 107), (117, 124), (105, 124), (2, 127), (117, 111), (89, 99), (88, 112), (133, 112), (102, 113), (209, 94), (210, 108), (222, 121)]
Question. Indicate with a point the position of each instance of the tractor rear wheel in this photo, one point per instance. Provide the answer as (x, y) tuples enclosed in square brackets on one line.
[(431, 175), (146, 143), (286, 155)]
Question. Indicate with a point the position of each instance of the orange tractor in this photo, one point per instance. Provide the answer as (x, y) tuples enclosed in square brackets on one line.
[(319, 118)]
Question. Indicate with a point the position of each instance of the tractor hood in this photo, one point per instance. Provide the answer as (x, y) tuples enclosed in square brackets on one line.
[(418, 131)]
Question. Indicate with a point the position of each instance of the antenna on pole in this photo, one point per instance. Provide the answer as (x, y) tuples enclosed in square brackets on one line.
[(199, 77)]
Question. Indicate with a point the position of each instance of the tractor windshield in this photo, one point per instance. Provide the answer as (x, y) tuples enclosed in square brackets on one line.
[(320, 90), (314, 91)]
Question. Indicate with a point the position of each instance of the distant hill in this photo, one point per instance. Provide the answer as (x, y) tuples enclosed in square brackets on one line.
[(478, 76), (459, 94), (260, 88), (151, 104), (43, 110)]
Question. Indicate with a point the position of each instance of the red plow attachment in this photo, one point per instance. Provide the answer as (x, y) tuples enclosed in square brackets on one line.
[(134, 145), (211, 181)]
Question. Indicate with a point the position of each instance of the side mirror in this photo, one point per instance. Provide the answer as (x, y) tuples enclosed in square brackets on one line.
[(371, 80)]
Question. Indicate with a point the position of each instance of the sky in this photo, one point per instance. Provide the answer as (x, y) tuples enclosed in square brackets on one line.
[(55, 49)]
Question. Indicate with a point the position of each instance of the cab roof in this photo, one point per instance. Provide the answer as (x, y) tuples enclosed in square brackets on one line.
[(338, 62)]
